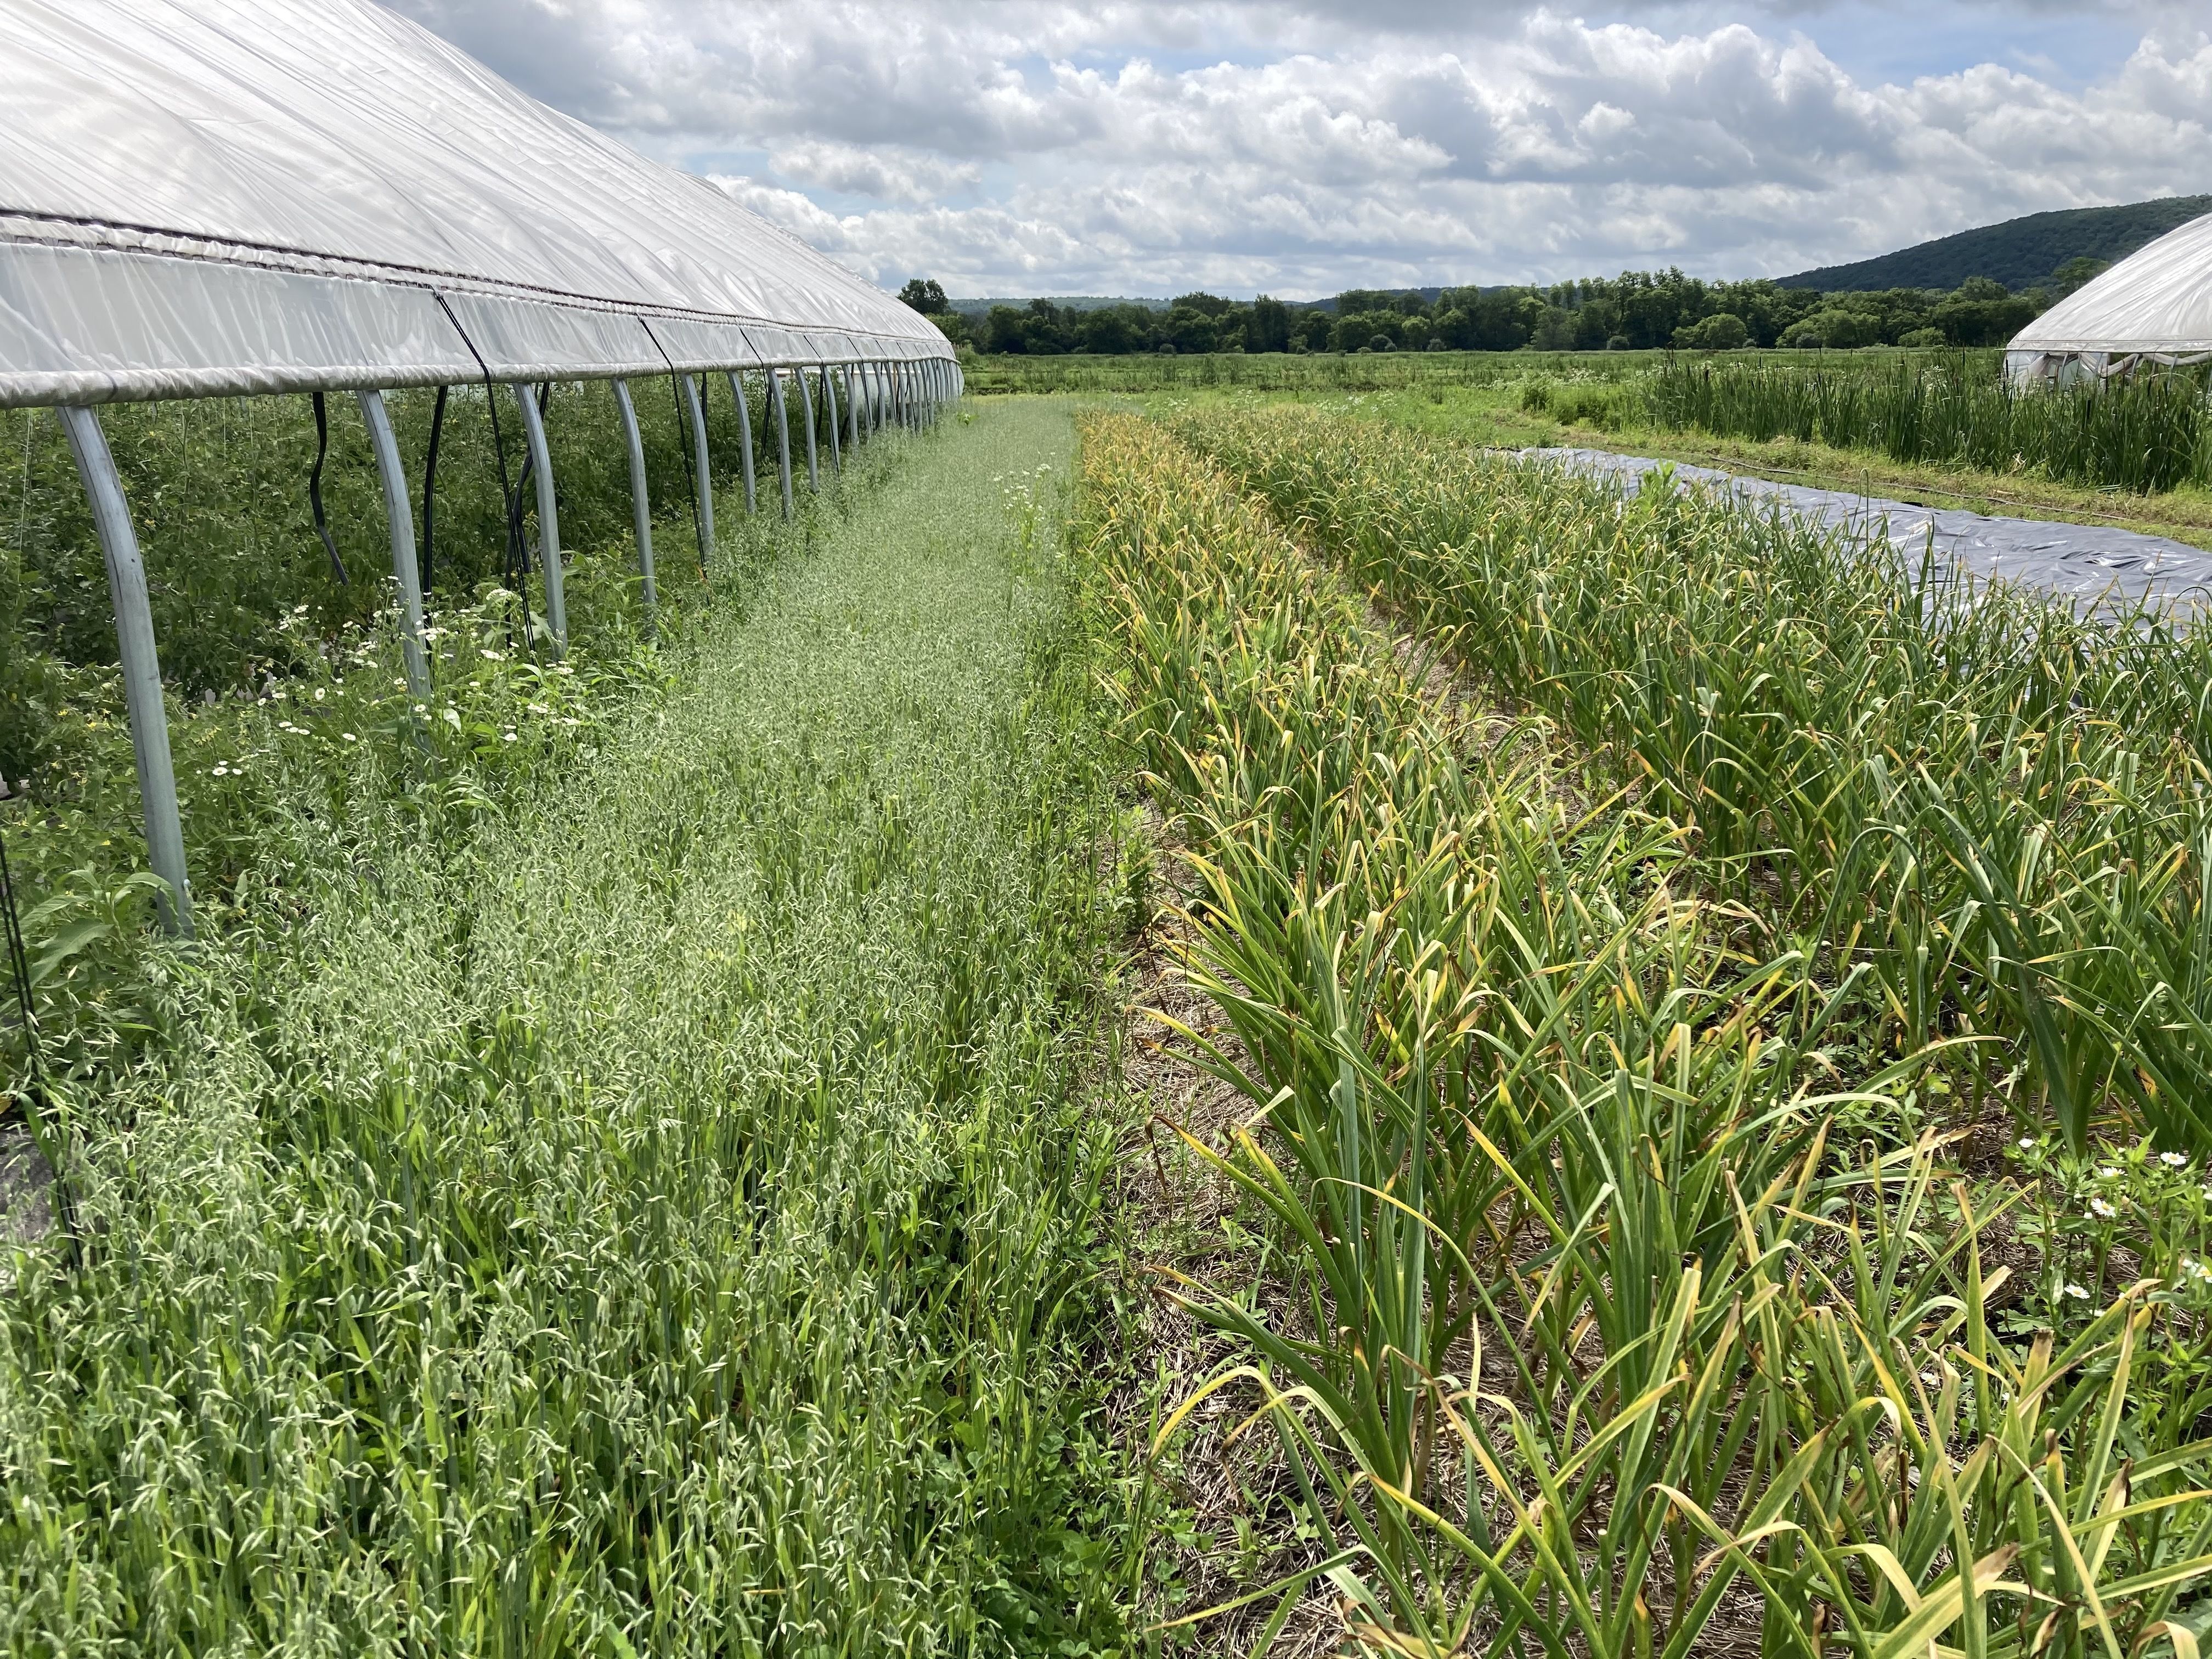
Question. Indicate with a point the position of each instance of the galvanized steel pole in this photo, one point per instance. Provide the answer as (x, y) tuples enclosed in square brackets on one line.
[(783, 420), (399, 517), (852, 405), (640, 498), (807, 402), (142, 666), (548, 520), (745, 429), (694, 408), (829, 420)]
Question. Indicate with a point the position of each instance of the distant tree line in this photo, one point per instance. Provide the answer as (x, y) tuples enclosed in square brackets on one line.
[(1637, 310)]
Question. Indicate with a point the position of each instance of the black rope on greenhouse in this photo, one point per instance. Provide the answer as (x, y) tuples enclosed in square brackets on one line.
[(315, 488), (517, 556), (430, 484), (34, 1101), (683, 444)]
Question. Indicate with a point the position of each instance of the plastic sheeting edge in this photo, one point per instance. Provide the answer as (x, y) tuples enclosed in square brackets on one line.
[(86, 325)]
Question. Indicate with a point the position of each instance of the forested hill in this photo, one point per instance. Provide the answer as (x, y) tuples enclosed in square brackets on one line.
[(2020, 253)]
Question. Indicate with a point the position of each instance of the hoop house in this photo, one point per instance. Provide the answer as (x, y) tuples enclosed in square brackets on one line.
[(2155, 305), (203, 198)]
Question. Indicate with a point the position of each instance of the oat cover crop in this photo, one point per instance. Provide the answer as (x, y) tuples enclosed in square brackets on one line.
[(1983, 820), (1586, 1333), (655, 1211)]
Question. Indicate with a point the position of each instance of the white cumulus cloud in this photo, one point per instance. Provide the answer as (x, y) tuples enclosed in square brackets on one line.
[(1029, 146)]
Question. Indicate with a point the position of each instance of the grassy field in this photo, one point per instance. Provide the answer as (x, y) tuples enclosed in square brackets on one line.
[(1690, 1049), (656, 1209), (1363, 371), (1596, 400)]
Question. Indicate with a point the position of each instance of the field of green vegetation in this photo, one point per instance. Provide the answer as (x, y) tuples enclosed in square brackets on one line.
[(1240, 1026), (1725, 1084), (628, 1179), (2144, 433), (1371, 371)]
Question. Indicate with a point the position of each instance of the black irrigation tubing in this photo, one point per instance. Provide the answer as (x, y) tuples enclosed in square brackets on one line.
[(315, 488), (517, 556), (430, 485), (683, 444)]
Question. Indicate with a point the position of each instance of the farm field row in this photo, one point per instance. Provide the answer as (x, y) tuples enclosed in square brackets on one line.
[(1626, 1076), (650, 1201), (1718, 1042)]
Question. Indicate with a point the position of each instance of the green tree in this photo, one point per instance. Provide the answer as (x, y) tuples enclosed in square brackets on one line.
[(925, 296), (1268, 327), (1721, 331), (1212, 305), (2076, 272)]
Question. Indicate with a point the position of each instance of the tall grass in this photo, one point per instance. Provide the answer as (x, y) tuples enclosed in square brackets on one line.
[(1375, 371), (1588, 1340), (656, 1210), (1986, 813), (2144, 432)]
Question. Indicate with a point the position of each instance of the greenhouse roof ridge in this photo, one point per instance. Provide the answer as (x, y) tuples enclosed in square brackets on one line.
[(212, 196)]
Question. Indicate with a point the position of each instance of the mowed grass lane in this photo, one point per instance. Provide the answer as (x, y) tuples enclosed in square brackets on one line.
[(664, 1222)]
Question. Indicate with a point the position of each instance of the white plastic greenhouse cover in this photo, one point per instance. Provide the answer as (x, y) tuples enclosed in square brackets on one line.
[(200, 197), (2155, 304)]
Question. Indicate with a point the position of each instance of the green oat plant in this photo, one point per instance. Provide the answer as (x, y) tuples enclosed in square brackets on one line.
[(285, 687), (1589, 1342), (657, 1209), (1994, 806)]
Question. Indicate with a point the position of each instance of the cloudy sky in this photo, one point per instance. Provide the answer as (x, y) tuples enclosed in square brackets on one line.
[(1146, 147)]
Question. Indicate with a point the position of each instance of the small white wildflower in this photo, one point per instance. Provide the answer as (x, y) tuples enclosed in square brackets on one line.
[(221, 772), (509, 736), (2027, 1143), (2108, 1172), (490, 656), (319, 694), (563, 668), (565, 720), (421, 708), (2077, 1293), (348, 737), (537, 708), (2098, 1207), (399, 684), (2173, 1160)]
